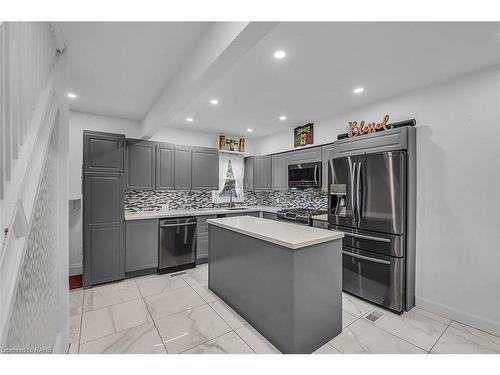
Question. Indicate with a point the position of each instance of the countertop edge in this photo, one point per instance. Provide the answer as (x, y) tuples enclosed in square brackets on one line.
[(334, 237)]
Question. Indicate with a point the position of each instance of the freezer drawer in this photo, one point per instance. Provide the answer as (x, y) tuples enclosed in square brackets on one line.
[(376, 278), (382, 243)]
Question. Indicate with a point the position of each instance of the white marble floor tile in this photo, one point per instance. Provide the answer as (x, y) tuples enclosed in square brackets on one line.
[(198, 275), (230, 343), (362, 337), (355, 306), (168, 303), (462, 339), (189, 328), (110, 294), (256, 341), (143, 339), (156, 284), (326, 349), (112, 319), (417, 326), (205, 293), (75, 302), (74, 328), (347, 319), (231, 317)]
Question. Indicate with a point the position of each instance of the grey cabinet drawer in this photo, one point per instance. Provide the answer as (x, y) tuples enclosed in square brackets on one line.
[(320, 224), (269, 215)]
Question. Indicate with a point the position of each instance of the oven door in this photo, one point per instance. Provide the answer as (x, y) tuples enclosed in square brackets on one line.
[(305, 175), (374, 277)]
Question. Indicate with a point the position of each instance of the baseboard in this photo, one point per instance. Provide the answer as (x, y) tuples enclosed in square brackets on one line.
[(472, 320)]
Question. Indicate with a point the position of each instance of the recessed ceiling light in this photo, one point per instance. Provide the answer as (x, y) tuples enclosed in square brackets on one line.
[(280, 54), (71, 95), (249, 130), (358, 90), (214, 101), (189, 119), (282, 118)]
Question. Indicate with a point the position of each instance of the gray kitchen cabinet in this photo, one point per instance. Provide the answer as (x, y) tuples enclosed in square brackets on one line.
[(327, 152), (103, 215), (280, 171), (164, 179), (103, 152), (182, 168), (202, 238), (269, 215), (141, 245), (248, 175), (205, 168), (320, 224), (308, 155), (139, 164), (262, 166)]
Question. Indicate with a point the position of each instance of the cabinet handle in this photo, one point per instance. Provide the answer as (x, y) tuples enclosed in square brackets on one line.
[(375, 260)]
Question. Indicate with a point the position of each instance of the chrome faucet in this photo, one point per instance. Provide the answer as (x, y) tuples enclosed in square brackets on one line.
[(231, 202)]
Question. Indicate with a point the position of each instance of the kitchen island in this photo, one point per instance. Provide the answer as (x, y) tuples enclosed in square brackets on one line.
[(284, 279)]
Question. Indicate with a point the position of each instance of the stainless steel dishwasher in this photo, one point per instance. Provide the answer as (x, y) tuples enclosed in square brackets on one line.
[(177, 250)]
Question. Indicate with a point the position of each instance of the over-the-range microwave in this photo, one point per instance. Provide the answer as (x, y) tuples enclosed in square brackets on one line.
[(304, 176)]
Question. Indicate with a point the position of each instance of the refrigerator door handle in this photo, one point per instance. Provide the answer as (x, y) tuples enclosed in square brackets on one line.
[(365, 237), (375, 260), (315, 179), (353, 204), (358, 193)]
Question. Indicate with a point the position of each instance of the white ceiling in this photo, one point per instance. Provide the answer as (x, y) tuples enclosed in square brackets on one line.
[(326, 61), (120, 69)]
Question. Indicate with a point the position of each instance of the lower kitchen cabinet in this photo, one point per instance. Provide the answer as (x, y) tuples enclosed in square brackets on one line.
[(141, 246), (320, 224), (269, 215), (202, 238)]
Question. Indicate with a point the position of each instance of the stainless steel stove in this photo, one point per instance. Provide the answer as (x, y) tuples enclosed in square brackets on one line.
[(299, 215)]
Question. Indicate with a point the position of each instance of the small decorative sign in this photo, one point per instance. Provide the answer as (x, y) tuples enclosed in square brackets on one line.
[(355, 129), (231, 144), (303, 135)]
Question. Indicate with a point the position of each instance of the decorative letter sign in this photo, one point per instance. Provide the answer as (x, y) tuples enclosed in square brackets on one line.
[(355, 129)]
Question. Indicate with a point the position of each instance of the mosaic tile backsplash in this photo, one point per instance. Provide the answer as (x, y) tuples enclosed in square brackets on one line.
[(139, 200)]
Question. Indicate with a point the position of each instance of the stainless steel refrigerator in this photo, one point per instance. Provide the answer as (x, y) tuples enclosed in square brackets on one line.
[(368, 201)]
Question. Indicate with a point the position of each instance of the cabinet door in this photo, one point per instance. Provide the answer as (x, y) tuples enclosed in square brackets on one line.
[(140, 164), (182, 170), (262, 173), (103, 214), (141, 245), (327, 156), (202, 238), (103, 152), (280, 171), (306, 156), (164, 179), (269, 215), (248, 175), (205, 169)]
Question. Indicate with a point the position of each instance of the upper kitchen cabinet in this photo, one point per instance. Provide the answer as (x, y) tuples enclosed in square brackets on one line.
[(308, 155), (205, 168), (103, 152), (280, 171), (262, 166), (140, 164), (248, 176), (327, 155), (182, 168), (164, 166)]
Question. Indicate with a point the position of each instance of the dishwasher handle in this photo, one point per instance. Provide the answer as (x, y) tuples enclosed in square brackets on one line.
[(177, 225)]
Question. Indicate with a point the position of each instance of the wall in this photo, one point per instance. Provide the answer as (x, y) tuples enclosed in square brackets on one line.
[(458, 201)]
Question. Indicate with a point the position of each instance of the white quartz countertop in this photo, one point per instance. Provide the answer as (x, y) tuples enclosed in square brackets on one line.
[(320, 217), (195, 212), (293, 236)]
